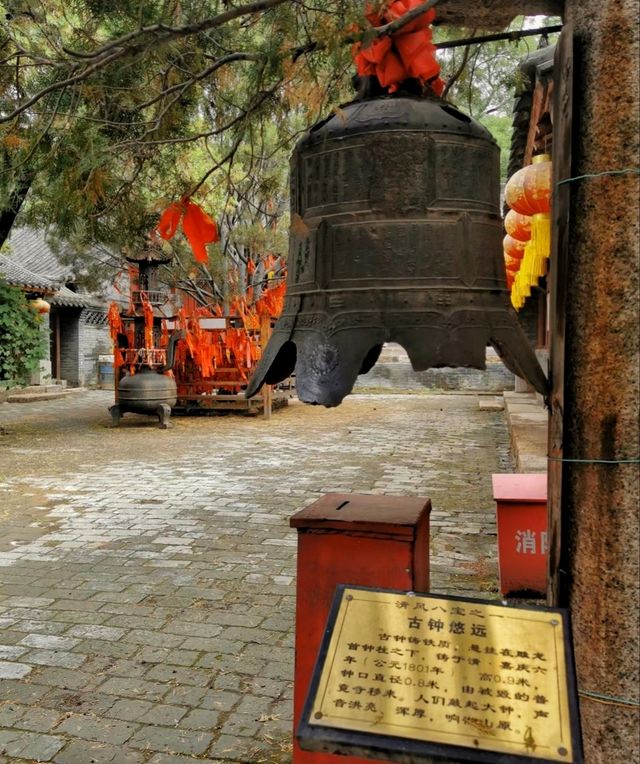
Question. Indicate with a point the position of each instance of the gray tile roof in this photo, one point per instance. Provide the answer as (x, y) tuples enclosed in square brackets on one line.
[(17, 275), (30, 263), (67, 298), (28, 247)]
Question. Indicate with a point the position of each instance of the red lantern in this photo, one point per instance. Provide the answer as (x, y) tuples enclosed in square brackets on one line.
[(511, 264), (528, 192), (537, 184), (518, 226), (513, 248), (42, 306)]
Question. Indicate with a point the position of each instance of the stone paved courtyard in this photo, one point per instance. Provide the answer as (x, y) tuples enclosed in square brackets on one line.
[(147, 577)]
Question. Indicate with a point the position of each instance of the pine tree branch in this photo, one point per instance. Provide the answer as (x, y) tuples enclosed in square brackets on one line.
[(125, 46)]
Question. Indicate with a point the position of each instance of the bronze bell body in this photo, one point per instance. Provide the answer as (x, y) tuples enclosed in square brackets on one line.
[(396, 237)]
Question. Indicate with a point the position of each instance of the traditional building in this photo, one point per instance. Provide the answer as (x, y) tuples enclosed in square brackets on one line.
[(77, 322)]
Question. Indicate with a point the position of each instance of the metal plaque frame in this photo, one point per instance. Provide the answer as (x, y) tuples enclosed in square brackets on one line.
[(383, 747)]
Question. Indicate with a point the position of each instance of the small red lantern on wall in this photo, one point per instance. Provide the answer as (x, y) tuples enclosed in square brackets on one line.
[(42, 306)]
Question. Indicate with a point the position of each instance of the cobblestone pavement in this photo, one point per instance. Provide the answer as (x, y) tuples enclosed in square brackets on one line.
[(147, 577)]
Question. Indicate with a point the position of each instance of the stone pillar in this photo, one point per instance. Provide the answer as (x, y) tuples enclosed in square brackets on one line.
[(42, 375), (600, 501)]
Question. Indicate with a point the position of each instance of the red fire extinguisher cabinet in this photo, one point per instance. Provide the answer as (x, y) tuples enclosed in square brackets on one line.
[(521, 508), (365, 540)]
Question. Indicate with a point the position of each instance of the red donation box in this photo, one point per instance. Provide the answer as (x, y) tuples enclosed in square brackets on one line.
[(521, 506), (349, 538)]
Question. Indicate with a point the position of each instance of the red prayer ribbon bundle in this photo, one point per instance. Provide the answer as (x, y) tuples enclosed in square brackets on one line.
[(409, 53), (197, 226)]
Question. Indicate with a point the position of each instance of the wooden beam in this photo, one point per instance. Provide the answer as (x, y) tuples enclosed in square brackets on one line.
[(493, 14), (558, 285)]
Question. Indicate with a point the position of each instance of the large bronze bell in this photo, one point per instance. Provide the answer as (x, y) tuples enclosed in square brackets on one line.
[(396, 237)]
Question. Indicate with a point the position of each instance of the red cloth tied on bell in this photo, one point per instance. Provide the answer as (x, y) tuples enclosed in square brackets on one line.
[(409, 53)]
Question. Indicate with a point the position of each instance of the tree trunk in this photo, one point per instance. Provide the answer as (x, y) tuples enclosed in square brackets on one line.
[(9, 214), (600, 500)]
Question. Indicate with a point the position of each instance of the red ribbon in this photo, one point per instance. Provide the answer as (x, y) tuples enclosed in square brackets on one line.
[(197, 226), (409, 53)]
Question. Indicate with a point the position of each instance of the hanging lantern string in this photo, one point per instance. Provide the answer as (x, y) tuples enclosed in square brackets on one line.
[(609, 700), (626, 171), (634, 460)]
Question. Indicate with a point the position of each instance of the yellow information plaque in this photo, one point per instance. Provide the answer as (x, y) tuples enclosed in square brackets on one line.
[(448, 671)]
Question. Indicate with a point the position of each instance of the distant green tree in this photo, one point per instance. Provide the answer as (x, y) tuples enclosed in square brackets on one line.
[(22, 344), (483, 79)]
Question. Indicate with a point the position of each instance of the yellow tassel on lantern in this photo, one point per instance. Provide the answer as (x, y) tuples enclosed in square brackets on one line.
[(540, 242), (538, 188)]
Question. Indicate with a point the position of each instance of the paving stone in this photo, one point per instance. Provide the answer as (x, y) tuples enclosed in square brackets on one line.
[(65, 678), (167, 716), (200, 719), (213, 602), (11, 652), (171, 657), (29, 745), (79, 702), (55, 658), (185, 696), (227, 682), (41, 627), (253, 706), (123, 667), (232, 748), (14, 670), (241, 725), (38, 719), (156, 738), (27, 602), (49, 642), (92, 631), (179, 675), (133, 688), (261, 686), (163, 758), (106, 648), (21, 692), (130, 710), (10, 713), (239, 664), (193, 629), (86, 752), (155, 639), (111, 731), (219, 700)]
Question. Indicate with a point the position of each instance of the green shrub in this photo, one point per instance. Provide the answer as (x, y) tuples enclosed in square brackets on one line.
[(22, 344)]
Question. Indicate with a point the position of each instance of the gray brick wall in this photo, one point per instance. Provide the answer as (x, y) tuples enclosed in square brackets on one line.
[(393, 370), (69, 332), (93, 340), (84, 335)]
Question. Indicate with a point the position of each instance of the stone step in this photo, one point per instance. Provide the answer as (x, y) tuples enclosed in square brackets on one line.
[(52, 387), (43, 395)]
